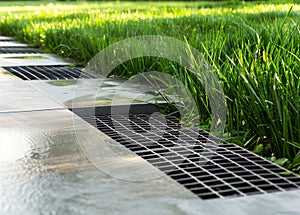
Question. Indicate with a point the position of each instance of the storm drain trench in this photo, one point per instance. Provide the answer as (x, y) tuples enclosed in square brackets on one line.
[(202, 163)]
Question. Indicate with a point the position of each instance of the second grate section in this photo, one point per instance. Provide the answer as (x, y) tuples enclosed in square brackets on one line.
[(197, 160)]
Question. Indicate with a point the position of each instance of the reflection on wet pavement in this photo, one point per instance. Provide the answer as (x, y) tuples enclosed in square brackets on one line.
[(95, 92), (43, 171)]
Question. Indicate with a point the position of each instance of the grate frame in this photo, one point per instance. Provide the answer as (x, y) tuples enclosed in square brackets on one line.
[(208, 169)]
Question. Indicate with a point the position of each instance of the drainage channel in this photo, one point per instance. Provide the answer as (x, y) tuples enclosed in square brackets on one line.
[(202, 163), (48, 72), (29, 63)]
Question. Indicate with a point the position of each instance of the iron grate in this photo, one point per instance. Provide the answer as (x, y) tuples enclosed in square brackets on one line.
[(16, 50), (194, 158), (48, 72)]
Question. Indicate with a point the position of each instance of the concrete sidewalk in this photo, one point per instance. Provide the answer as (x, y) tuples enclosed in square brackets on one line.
[(44, 170)]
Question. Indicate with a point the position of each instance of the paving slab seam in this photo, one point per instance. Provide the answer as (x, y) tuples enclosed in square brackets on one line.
[(34, 110)]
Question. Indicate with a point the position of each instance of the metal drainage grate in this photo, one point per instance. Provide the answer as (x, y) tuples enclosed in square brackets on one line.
[(16, 50), (48, 72), (208, 169)]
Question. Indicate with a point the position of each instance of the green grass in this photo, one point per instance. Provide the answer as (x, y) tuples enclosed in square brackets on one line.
[(254, 48)]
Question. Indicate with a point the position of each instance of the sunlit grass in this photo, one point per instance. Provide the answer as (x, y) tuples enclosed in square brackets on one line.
[(254, 48)]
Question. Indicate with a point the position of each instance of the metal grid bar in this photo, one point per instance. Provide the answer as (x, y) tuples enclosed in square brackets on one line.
[(194, 158), (48, 72)]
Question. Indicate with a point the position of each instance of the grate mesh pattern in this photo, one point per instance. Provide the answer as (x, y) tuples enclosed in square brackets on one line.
[(48, 72), (16, 50), (194, 158)]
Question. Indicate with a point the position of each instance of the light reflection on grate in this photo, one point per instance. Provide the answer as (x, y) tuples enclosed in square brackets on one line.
[(194, 158), (48, 72)]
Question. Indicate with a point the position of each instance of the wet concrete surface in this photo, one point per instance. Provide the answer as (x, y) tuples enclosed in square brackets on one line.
[(9, 60), (13, 43), (18, 95), (95, 92), (7, 38), (43, 171)]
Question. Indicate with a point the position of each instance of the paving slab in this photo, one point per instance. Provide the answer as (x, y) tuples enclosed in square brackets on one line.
[(7, 44), (3, 38), (17, 95), (43, 171), (6, 76), (95, 92), (9, 60), (282, 203)]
